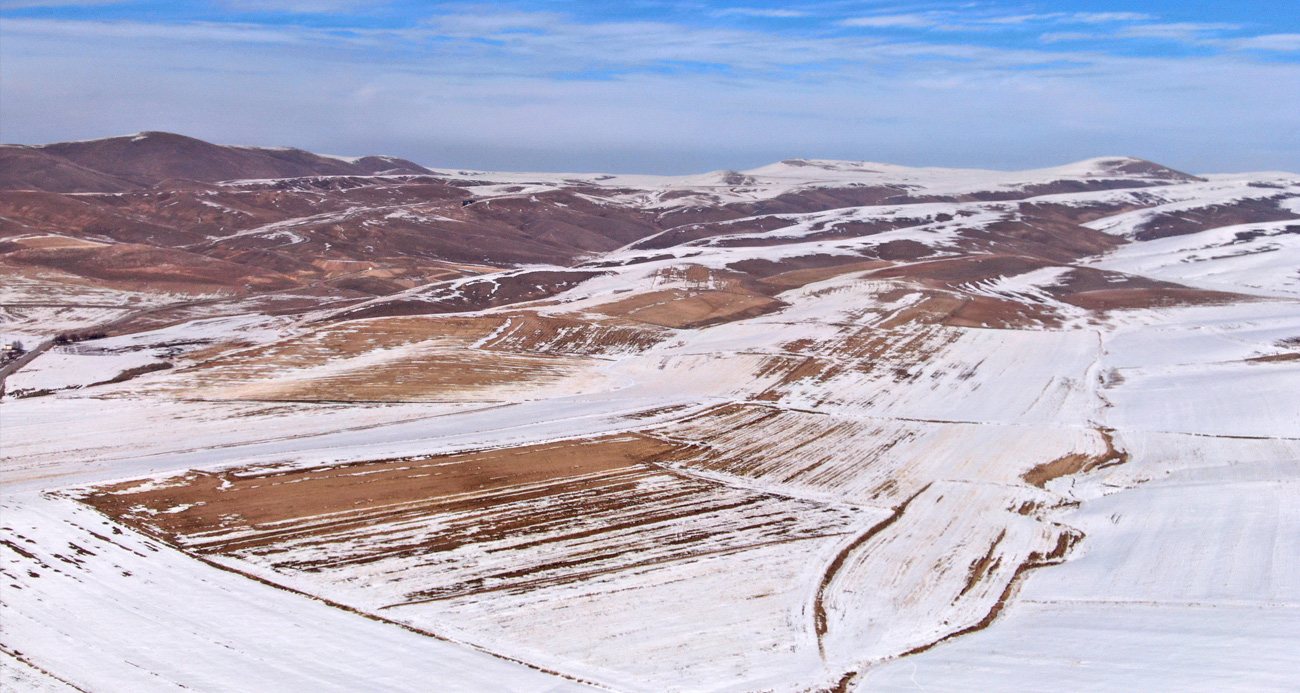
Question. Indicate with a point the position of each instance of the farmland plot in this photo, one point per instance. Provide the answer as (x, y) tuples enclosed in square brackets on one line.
[(448, 542)]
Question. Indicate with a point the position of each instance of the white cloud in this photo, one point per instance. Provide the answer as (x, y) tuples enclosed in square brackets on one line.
[(300, 6), (758, 12), (1183, 32), (1103, 17), (1180, 31), (1268, 42), (485, 23), (33, 4), (965, 21), (1020, 18), (916, 21), (1057, 36), (188, 32)]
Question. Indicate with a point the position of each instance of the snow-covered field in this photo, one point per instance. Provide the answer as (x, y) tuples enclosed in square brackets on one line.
[(967, 462), (1186, 583), (110, 610)]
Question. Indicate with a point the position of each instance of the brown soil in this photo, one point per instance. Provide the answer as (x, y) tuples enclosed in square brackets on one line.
[(1057, 468), (542, 514), (953, 272), (821, 231), (148, 265), (685, 309), (982, 566), (797, 278), (1076, 462), (1101, 290), (269, 498), (442, 376), (1074, 214), (1084, 287), (1215, 216), (763, 268), (1041, 239), (1276, 358), (984, 311), (136, 372), (476, 294), (901, 250), (934, 308), (351, 339), (1127, 299), (518, 348), (556, 335)]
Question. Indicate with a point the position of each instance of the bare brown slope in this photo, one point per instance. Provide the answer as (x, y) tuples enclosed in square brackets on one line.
[(1187, 221), (147, 265), (144, 160), (29, 168)]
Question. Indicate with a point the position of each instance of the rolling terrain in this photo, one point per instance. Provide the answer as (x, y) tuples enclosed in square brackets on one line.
[(302, 422)]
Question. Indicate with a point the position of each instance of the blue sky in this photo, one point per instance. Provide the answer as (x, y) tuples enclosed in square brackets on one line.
[(669, 87)]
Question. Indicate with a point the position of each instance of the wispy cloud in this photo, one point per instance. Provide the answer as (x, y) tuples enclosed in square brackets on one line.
[(1060, 36), (483, 24), (760, 12), (1104, 17), (192, 32), (984, 19), (39, 4), (301, 6), (1180, 31), (1267, 42), (1200, 34), (1020, 18), (911, 21)]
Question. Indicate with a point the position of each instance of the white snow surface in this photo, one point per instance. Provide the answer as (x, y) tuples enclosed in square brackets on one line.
[(1261, 259), (787, 176), (111, 610), (1186, 584)]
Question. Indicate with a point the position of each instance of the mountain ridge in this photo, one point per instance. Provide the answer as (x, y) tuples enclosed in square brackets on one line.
[(147, 159), (155, 159)]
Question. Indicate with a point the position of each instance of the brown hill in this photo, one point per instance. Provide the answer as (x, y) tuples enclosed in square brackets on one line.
[(144, 160), (30, 168)]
